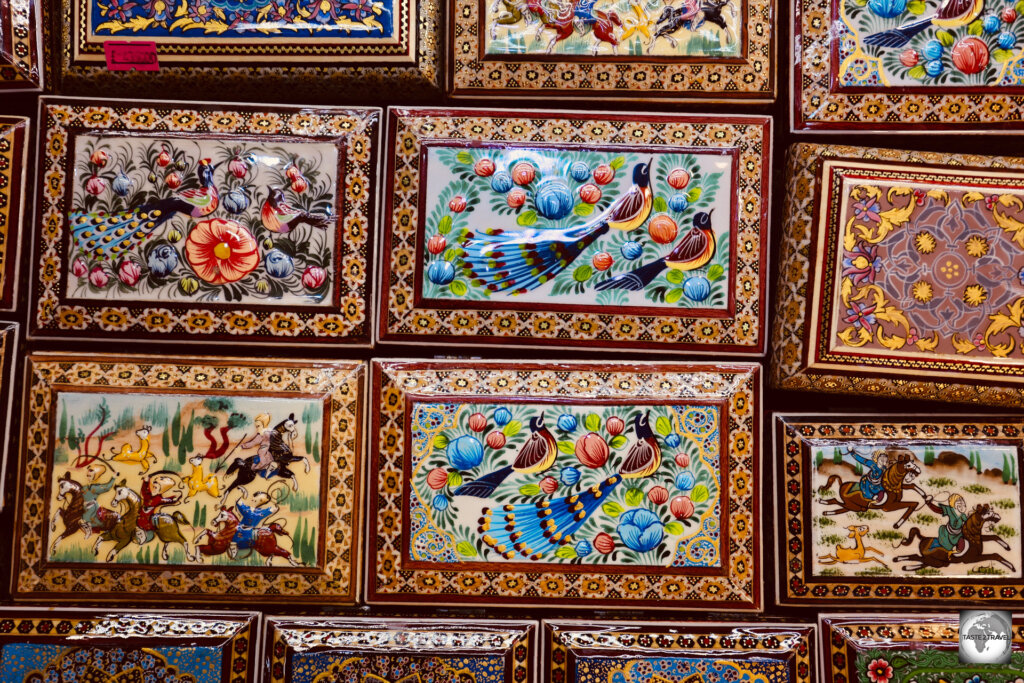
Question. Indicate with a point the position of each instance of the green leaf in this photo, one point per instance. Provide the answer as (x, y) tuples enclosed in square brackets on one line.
[(618, 441), (583, 209), (675, 276), (567, 447), (565, 552), (975, 29), (693, 195), (1001, 55), (464, 157), (454, 480), (612, 509), (582, 273), (617, 163), (715, 272), (634, 497), (592, 422), (674, 295), (945, 37), (660, 205), (450, 254), (699, 493), (663, 426), (917, 72), (512, 428), (529, 489), (445, 226), (673, 528), (860, 3), (916, 7), (465, 548), (1019, 7), (458, 287), (440, 442), (528, 217)]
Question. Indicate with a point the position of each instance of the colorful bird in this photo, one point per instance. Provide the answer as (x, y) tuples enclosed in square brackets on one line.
[(693, 251), (951, 14), (521, 260), (536, 455), (644, 457), (279, 216), (105, 235)]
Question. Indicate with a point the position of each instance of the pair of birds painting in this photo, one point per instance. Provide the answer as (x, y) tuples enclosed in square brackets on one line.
[(517, 261), (103, 236)]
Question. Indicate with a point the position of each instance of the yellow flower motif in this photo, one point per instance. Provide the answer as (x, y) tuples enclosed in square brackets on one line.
[(922, 291), (975, 295), (977, 246), (640, 22), (924, 242)]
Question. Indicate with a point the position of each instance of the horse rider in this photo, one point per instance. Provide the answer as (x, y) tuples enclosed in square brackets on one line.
[(250, 518), (951, 534), (153, 490), (91, 509), (871, 486), (261, 442)]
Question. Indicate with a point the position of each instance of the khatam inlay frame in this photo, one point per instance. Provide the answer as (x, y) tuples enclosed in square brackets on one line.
[(8, 372), (21, 46), (749, 77), (400, 386), (237, 634), (346, 320), (404, 318), (802, 265), (334, 578), (448, 642), (935, 635), (797, 583), (14, 144), (566, 642)]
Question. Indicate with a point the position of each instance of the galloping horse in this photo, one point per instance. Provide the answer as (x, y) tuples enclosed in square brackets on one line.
[(165, 526), (931, 554), (226, 532), (897, 478), (73, 511)]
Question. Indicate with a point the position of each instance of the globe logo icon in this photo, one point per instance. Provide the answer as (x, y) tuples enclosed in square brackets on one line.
[(985, 637)]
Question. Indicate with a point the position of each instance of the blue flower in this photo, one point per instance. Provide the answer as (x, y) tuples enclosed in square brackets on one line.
[(553, 199), (162, 260), (672, 440), (678, 202), (501, 182), (441, 272), (566, 422), (933, 68), (236, 201), (631, 250), (932, 50), (579, 171), (439, 502), (502, 416), (640, 530), (569, 475), (1007, 40), (685, 481), (122, 184), (887, 9), (697, 288), (583, 548), (278, 263), (990, 23), (465, 452)]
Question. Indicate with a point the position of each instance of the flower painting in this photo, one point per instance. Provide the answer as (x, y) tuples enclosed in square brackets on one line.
[(566, 484)]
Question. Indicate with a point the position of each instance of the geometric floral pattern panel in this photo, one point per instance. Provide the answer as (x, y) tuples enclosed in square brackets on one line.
[(305, 47), (399, 651), (241, 224), (653, 652), (553, 229), (65, 646), (618, 50), (145, 477), (21, 46), (578, 484), (922, 648), (898, 64), (8, 372), (14, 149), (874, 508), (897, 265)]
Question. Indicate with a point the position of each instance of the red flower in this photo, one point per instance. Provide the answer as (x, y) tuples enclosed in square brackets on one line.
[(221, 251), (879, 671)]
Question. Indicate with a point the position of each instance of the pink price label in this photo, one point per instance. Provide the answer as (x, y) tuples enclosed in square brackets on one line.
[(123, 55)]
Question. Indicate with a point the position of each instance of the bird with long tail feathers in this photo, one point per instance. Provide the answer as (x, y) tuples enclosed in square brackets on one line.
[(951, 14), (279, 216), (521, 260), (693, 251), (104, 235), (533, 529), (536, 455)]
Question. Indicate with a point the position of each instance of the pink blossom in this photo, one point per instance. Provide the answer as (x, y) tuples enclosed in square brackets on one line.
[(129, 272), (98, 277), (79, 268), (95, 185), (313, 277)]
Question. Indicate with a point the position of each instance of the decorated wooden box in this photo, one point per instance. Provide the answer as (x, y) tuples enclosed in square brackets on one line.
[(14, 146), (618, 231), (40, 645), (318, 650), (902, 273), (302, 51), (620, 50), (923, 66), (660, 652), (8, 375), (576, 484), (874, 508), (160, 478), (22, 64), (204, 222), (922, 648)]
